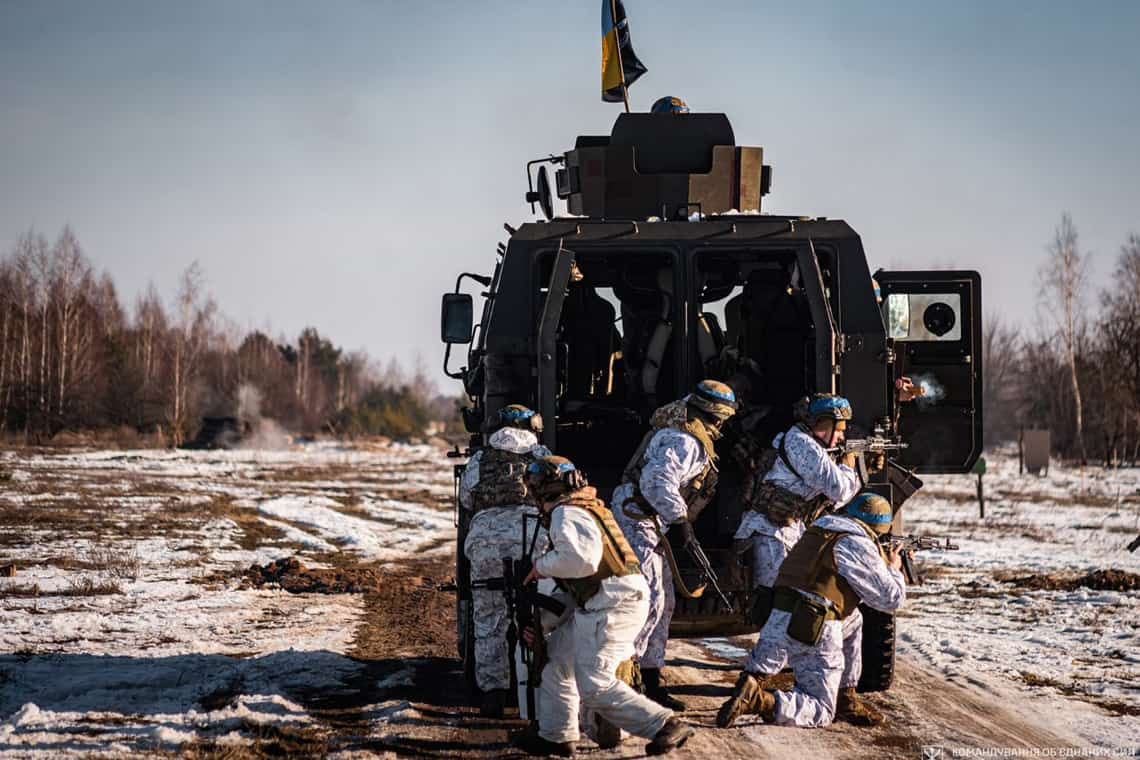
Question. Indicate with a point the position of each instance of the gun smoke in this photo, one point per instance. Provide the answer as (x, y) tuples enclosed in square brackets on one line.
[(932, 390)]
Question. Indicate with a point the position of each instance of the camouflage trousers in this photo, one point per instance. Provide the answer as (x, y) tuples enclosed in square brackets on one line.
[(820, 670), (649, 646), (494, 534)]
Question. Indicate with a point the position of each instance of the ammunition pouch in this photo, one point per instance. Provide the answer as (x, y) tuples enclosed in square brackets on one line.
[(807, 615), (782, 507), (502, 480)]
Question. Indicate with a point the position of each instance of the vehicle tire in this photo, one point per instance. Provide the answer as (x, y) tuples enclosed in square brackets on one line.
[(878, 650)]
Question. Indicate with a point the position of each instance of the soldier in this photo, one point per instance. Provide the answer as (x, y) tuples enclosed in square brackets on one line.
[(836, 565), (797, 481), (670, 478), (493, 488), (591, 561)]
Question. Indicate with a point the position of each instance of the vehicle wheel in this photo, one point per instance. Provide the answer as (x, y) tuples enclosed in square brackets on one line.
[(878, 650)]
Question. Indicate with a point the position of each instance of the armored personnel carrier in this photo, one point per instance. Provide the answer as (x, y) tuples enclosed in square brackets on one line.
[(663, 271)]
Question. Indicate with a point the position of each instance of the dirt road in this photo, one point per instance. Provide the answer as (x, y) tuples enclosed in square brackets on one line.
[(419, 705)]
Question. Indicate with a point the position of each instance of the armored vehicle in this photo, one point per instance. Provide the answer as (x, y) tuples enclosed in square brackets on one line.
[(664, 271)]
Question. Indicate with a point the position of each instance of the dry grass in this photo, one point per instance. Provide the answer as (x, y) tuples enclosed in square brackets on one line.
[(119, 564)]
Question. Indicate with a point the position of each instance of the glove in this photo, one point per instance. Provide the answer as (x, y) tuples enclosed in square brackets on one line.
[(685, 528), (876, 462)]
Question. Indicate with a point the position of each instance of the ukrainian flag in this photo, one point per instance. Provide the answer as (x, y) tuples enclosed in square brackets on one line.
[(615, 42)]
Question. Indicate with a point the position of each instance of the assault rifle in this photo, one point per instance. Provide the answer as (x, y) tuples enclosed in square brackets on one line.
[(700, 559), (523, 602), (872, 444), (911, 544)]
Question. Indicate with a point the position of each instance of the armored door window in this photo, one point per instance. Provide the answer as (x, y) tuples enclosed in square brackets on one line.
[(924, 316)]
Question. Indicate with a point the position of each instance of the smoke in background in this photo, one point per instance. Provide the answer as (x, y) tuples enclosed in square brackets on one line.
[(265, 433), (932, 390)]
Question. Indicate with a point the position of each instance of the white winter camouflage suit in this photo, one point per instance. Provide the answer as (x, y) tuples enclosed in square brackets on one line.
[(493, 534), (586, 648), (819, 668), (819, 474), (673, 459)]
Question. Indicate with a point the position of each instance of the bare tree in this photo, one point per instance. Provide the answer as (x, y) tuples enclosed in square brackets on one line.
[(1001, 342), (193, 313), (1119, 335), (1063, 277)]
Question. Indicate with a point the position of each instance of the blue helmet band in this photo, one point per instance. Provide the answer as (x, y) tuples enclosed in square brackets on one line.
[(857, 509), (516, 414), (726, 396), (537, 467), (827, 404)]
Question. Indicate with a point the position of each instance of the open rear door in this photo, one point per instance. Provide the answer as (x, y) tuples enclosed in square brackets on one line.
[(934, 319), (547, 343)]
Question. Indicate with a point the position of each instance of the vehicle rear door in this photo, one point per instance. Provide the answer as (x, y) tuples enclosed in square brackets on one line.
[(934, 320)]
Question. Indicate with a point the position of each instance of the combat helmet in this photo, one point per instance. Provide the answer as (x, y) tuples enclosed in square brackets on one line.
[(873, 511), (714, 398), (521, 417), (552, 476), (669, 104), (826, 406)]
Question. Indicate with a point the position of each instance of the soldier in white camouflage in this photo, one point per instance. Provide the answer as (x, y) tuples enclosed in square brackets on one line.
[(493, 488), (667, 482), (837, 565)]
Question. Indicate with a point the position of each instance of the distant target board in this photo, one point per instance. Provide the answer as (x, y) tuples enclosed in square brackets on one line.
[(1035, 446)]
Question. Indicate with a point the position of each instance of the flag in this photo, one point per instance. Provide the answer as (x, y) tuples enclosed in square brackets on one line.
[(615, 41)]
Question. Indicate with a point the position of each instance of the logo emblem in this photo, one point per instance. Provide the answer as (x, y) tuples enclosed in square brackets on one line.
[(932, 753)]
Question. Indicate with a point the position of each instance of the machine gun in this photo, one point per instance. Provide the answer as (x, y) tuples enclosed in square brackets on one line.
[(911, 544)]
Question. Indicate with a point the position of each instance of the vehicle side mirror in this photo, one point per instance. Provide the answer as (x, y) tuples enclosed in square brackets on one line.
[(456, 318)]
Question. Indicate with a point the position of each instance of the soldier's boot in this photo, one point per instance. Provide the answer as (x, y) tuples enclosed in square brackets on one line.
[(531, 743), (854, 710), (494, 703), (656, 690), (672, 735), (747, 697), (606, 734)]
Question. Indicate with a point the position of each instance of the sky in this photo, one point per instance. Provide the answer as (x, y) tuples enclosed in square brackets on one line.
[(337, 163)]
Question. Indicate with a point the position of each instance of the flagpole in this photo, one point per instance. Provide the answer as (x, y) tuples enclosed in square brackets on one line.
[(621, 66)]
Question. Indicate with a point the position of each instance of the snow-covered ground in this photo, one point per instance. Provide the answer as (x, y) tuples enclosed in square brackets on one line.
[(973, 624), (125, 627)]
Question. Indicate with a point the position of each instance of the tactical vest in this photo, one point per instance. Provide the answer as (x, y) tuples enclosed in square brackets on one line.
[(810, 566), (778, 504), (618, 558), (698, 492), (502, 480)]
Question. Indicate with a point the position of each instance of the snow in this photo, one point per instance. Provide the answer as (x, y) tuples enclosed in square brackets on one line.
[(172, 650), (177, 652), (974, 628)]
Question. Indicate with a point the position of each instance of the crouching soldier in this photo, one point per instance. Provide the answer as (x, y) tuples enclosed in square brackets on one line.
[(669, 479), (591, 560), (796, 481), (836, 565), (493, 488)]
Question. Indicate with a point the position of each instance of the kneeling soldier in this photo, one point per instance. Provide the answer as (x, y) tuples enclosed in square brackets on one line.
[(836, 565), (590, 559)]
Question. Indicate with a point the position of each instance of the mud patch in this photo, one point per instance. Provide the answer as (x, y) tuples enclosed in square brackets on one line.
[(1099, 580), (291, 575)]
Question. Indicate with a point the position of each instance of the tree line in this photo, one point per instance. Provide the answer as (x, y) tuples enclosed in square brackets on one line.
[(72, 357), (1076, 371)]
